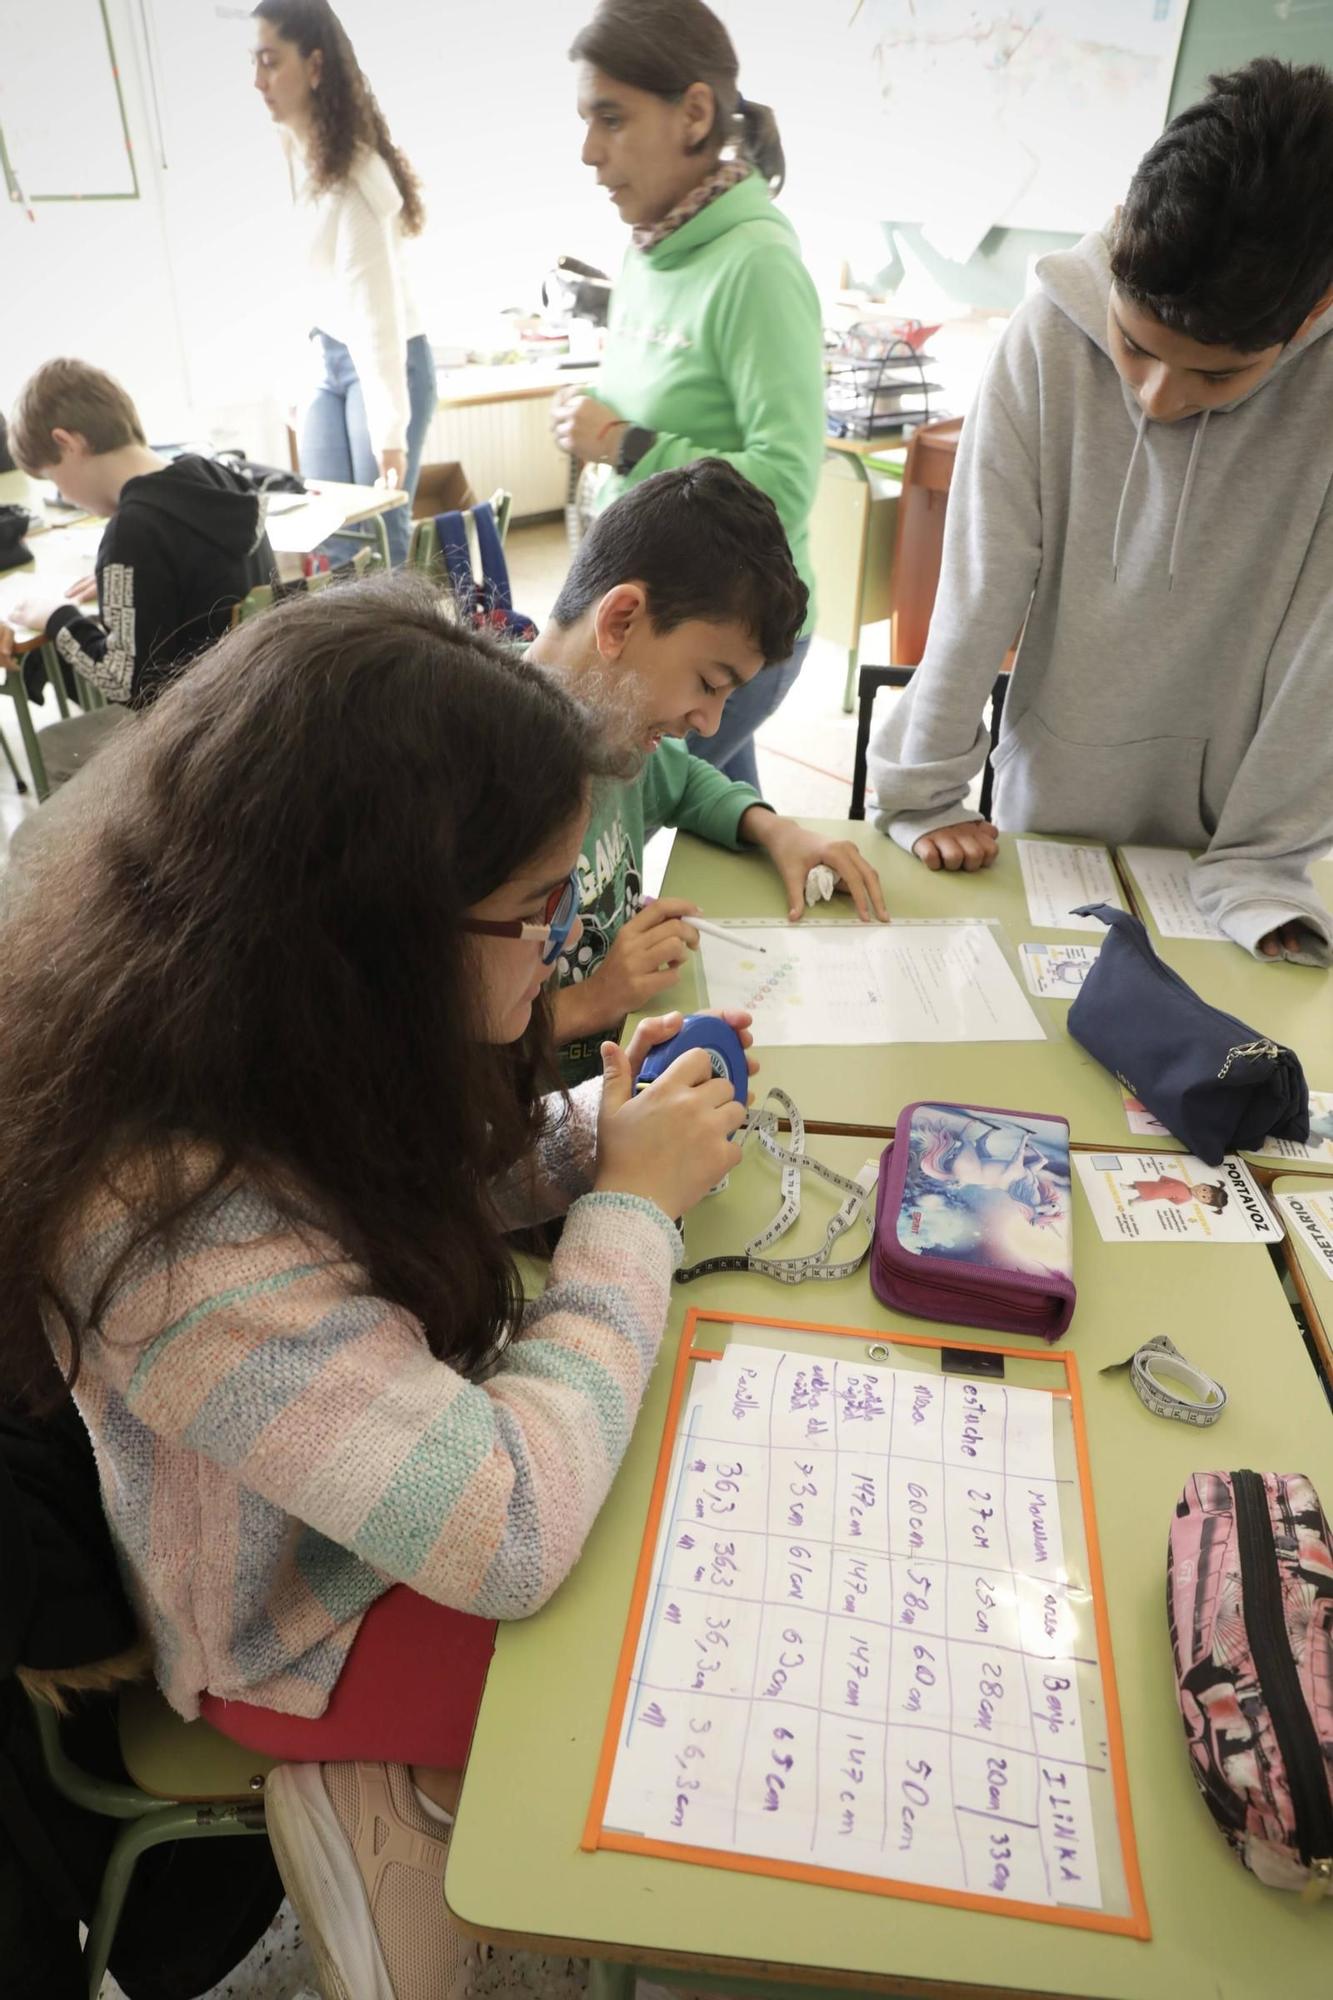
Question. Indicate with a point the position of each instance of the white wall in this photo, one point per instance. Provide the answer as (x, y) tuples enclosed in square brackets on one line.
[(188, 293)]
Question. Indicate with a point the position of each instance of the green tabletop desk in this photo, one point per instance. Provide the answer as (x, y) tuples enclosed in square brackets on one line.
[(864, 1089), (1311, 1270), (516, 1871)]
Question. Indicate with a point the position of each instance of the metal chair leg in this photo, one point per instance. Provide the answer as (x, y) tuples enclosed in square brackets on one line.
[(31, 748), (173, 1822), (609, 1981), (18, 777)]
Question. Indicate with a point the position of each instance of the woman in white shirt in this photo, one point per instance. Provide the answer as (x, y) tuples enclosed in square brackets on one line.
[(358, 198)]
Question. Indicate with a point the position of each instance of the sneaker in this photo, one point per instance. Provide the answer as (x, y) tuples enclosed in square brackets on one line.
[(363, 1863)]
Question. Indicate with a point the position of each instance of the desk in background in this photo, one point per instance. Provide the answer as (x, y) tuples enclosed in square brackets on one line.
[(518, 1874), (67, 549), (496, 423), (864, 1089)]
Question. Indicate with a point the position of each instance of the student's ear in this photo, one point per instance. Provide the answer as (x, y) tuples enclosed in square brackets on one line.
[(616, 617), (699, 111), (73, 444), (314, 68)]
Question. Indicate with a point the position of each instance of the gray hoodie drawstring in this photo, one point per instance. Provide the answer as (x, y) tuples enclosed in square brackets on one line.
[(1124, 495), (1182, 507)]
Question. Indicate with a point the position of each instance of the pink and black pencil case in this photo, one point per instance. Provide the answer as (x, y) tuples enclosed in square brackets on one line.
[(973, 1219)]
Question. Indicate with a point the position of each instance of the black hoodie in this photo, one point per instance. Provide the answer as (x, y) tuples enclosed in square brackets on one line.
[(184, 545)]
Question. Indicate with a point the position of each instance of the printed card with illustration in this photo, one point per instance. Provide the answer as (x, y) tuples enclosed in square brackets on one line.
[(1312, 1215), (987, 1187), (1320, 1145), (1056, 971), (1174, 1198)]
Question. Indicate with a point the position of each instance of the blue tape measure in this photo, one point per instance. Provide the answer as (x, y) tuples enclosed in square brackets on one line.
[(703, 1031)]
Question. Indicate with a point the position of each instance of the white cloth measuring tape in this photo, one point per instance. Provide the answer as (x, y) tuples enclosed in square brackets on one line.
[(1170, 1386), (793, 1159)]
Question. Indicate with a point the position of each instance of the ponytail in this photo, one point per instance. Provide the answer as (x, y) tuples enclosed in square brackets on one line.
[(761, 142)]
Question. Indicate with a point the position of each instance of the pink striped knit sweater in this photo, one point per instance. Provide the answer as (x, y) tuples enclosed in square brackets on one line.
[(276, 1448)]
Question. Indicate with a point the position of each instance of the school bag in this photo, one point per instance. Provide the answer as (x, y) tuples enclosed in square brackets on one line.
[(1250, 1600), (485, 602)]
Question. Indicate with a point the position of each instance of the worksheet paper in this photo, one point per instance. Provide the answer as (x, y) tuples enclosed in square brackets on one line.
[(1162, 878), (1319, 1147), (1174, 1198), (1312, 1215), (861, 1647), (1058, 875), (814, 985)]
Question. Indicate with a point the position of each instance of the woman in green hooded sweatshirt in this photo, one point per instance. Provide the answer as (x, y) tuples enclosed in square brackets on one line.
[(714, 347)]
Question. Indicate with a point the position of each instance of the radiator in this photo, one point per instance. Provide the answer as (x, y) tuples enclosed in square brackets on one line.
[(504, 444)]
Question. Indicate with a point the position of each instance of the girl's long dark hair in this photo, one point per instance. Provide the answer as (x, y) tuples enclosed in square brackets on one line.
[(343, 109), (251, 939), (664, 46)]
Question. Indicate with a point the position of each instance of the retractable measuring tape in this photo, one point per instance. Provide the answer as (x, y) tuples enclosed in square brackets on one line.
[(727, 1055), (1170, 1386)]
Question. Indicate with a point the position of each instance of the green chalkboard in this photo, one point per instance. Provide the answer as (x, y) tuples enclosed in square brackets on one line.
[(1219, 35)]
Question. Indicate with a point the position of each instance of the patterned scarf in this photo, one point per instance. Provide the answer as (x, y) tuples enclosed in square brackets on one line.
[(729, 174)]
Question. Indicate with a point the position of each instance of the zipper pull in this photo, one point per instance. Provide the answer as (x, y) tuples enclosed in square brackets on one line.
[(1262, 1047), (1319, 1882)]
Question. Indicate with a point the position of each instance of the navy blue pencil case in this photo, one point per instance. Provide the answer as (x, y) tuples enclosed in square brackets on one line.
[(1211, 1080)]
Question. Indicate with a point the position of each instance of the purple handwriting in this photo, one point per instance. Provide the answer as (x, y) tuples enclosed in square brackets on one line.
[(860, 1398), (915, 1799), (775, 1782), (743, 1398), (917, 1599), (788, 1661), (990, 1692)]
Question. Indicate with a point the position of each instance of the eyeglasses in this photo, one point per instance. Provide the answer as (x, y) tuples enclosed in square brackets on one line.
[(558, 918)]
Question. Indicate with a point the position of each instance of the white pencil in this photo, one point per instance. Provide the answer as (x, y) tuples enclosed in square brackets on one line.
[(728, 937)]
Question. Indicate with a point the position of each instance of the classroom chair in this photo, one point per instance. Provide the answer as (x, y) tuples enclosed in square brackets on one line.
[(869, 682), (187, 1782), (15, 773), (919, 537), (423, 551), (265, 595)]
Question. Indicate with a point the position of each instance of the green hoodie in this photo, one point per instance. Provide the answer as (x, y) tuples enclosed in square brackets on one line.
[(673, 789), (715, 342)]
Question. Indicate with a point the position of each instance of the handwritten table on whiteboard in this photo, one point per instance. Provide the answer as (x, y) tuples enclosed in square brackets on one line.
[(865, 1653)]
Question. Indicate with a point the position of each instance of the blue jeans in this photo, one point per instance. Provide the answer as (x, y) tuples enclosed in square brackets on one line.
[(335, 438), (732, 749)]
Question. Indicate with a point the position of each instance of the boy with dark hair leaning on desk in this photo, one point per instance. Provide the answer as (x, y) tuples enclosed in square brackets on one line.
[(684, 590), (1145, 485)]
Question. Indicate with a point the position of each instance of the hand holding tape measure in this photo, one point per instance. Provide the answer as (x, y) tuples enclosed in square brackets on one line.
[(674, 1141)]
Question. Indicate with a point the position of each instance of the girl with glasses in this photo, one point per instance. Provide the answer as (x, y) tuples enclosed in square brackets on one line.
[(272, 1033)]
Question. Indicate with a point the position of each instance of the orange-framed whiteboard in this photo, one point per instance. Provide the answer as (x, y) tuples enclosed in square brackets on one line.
[(867, 1645)]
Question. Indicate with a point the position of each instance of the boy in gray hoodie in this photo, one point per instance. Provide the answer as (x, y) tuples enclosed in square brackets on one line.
[(1145, 486)]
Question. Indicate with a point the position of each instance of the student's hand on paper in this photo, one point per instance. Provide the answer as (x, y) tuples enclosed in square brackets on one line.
[(1293, 936), (671, 1142), (972, 845), (34, 610), (585, 428), (659, 1028), (393, 469), (794, 851), (82, 592)]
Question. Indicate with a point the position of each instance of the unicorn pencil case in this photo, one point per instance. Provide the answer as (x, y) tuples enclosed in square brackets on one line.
[(973, 1219)]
